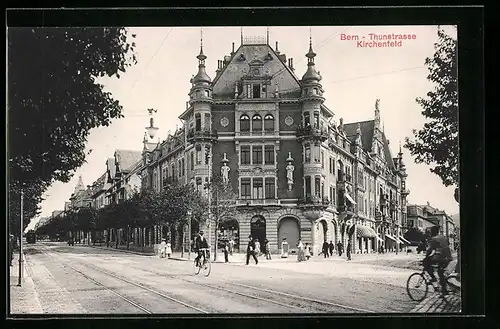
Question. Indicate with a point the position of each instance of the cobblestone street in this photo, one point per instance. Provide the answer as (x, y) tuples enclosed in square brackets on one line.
[(85, 280)]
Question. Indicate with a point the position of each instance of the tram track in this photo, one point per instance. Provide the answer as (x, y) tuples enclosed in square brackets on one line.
[(125, 298), (269, 295)]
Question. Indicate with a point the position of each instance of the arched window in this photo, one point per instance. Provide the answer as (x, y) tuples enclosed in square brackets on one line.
[(307, 153), (316, 120), (307, 119), (269, 122), (197, 118), (244, 123), (256, 123)]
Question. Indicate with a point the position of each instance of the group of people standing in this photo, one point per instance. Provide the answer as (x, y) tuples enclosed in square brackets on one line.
[(254, 249)]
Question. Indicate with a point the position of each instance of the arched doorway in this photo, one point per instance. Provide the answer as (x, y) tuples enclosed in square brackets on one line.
[(321, 230), (289, 228), (258, 229)]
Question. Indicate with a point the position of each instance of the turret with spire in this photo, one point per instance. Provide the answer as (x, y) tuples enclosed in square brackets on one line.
[(79, 185)]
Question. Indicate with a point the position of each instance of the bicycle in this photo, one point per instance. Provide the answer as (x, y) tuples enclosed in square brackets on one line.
[(420, 282), (206, 265)]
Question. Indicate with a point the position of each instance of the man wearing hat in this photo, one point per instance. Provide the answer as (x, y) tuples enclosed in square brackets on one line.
[(251, 250), (200, 243)]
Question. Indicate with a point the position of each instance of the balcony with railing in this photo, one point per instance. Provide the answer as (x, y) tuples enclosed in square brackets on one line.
[(257, 202), (202, 135), (311, 132), (313, 202)]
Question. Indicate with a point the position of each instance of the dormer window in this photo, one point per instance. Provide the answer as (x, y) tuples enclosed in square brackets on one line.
[(256, 91)]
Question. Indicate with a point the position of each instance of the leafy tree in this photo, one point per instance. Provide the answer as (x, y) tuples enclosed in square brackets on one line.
[(437, 142), (222, 205), (414, 235), (54, 99)]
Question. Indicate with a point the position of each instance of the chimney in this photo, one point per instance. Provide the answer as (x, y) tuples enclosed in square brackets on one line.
[(277, 51), (232, 52), (291, 63)]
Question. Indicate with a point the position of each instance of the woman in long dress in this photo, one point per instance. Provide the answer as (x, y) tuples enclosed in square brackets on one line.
[(300, 251), (169, 249)]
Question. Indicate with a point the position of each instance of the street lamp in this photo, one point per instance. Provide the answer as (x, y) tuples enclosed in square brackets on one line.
[(20, 279), (209, 199)]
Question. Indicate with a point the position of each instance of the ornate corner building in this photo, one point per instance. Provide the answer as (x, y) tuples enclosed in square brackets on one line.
[(297, 173)]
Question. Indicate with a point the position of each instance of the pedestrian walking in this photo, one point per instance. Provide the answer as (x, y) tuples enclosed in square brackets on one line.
[(348, 250), (231, 246), (331, 248), (284, 248), (300, 251), (339, 248), (251, 250), (307, 251), (168, 249), (326, 251), (225, 250), (257, 247), (162, 249), (267, 247)]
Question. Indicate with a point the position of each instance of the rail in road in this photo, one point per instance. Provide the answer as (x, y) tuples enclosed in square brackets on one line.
[(135, 284), (269, 295)]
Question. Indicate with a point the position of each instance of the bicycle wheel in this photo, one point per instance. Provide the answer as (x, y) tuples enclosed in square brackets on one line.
[(196, 268), (417, 287), (207, 267)]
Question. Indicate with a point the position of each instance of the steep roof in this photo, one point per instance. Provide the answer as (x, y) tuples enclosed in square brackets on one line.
[(111, 167), (367, 128), (387, 153), (125, 159)]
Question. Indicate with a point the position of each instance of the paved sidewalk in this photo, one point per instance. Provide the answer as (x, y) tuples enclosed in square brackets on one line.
[(24, 299), (437, 304)]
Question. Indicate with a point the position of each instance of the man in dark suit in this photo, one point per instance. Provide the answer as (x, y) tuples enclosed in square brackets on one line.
[(251, 250), (200, 243), (326, 249)]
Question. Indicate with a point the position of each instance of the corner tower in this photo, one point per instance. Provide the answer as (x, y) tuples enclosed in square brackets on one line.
[(311, 133)]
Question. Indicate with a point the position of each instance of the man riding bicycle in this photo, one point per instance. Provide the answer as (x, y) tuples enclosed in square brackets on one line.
[(438, 253), (199, 244)]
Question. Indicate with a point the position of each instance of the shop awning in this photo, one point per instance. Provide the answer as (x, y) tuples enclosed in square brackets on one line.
[(404, 240), (380, 239), (351, 200), (365, 231), (391, 237)]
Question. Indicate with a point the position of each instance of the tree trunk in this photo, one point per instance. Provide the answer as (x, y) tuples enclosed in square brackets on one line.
[(143, 237), (117, 238), (128, 237)]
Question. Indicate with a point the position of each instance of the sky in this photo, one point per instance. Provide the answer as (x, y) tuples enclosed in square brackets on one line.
[(353, 78)]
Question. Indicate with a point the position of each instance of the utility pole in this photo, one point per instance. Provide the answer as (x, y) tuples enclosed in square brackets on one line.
[(20, 279), (209, 199)]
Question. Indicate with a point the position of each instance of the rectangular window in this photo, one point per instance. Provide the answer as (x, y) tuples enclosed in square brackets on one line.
[(256, 90), (331, 194), (334, 199), (331, 165), (249, 91), (269, 154), (192, 160), (183, 167), (257, 154), (180, 168), (308, 186), (207, 153), (322, 190), (198, 154), (322, 160), (245, 155), (245, 188), (258, 188), (198, 184), (270, 188), (317, 186), (307, 153)]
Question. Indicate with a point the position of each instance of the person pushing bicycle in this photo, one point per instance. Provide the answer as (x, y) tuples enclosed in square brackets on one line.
[(438, 253), (199, 244)]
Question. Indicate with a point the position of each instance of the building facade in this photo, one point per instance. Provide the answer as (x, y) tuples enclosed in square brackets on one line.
[(297, 172), (425, 216)]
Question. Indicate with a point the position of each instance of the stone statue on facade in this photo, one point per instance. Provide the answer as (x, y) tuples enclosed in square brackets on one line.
[(289, 171), (225, 169)]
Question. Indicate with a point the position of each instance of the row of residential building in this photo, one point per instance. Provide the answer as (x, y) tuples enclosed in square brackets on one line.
[(297, 171)]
